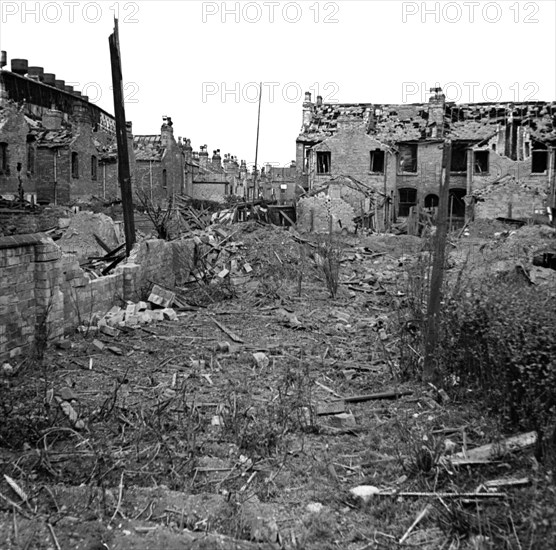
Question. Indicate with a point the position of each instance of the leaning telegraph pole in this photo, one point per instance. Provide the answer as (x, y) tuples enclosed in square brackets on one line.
[(430, 369), (255, 183), (124, 174)]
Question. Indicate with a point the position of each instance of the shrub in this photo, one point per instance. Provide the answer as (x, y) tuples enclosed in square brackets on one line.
[(497, 338)]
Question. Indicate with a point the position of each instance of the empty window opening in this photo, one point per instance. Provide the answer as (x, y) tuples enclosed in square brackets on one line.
[(481, 162), (94, 167), (408, 157), (459, 157), (4, 157), (457, 204), (407, 199), (431, 201), (164, 179), (377, 161), (539, 158), (306, 157), (74, 165), (323, 162), (30, 158)]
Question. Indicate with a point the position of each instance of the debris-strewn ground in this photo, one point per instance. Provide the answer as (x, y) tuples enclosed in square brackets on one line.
[(248, 421)]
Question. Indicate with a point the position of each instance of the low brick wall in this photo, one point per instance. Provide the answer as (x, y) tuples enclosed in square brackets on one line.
[(38, 280)]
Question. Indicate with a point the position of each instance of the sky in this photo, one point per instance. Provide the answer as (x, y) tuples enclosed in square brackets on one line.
[(202, 63)]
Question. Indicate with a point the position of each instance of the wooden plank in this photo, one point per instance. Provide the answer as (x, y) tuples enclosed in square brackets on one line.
[(430, 368), (374, 396), (287, 218)]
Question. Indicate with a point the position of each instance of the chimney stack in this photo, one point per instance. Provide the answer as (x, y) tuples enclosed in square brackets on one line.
[(436, 112), (216, 161), (243, 170), (3, 59), (203, 157), (319, 101), (166, 131), (60, 84), (187, 150), (19, 66), (81, 114), (307, 111), (52, 119)]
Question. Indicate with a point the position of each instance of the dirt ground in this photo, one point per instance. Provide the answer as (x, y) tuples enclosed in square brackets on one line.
[(212, 431)]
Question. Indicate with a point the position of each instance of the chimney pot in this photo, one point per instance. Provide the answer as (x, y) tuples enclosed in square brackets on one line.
[(49, 78), (19, 66), (319, 101), (308, 96), (37, 72), (3, 59)]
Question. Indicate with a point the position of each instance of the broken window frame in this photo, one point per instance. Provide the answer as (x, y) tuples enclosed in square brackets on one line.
[(458, 161), (431, 201), (410, 167), (75, 165), (536, 150), (456, 203), (323, 161), (4, 164), (94, 167), (404, 206), (477, 163), (377, 160)]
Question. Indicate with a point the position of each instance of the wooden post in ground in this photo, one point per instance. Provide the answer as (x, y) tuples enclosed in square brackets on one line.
[(124, 174), (430, 369)]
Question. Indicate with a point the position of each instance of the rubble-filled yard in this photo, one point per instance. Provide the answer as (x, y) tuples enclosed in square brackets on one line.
[(261, 412)]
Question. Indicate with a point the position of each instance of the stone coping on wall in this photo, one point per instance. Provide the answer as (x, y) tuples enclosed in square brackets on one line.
[(17, 241)]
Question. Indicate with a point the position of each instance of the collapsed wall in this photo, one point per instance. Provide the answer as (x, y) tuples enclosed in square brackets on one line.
[(45, 293), (313, 214)]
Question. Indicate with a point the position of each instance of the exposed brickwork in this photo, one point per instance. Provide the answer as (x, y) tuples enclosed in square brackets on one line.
[(489, 142), (312, 214), (35, 277)]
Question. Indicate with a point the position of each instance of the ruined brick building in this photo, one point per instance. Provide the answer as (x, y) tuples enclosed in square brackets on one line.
[(503, 154), (52, 139), (58, 147)]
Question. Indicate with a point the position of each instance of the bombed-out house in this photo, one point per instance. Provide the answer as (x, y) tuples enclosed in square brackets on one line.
[(502, 163), (54, 143), (57, 147)]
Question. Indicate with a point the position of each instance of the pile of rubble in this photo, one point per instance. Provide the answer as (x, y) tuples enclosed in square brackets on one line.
[(157, 308)]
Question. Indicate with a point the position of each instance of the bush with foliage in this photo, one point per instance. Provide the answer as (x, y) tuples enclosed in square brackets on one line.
[(499, 339)]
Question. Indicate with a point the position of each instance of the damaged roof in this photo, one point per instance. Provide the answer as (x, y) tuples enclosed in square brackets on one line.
[(391, 123), (348, 181), (507, 180), (54, 138), (148, 147)]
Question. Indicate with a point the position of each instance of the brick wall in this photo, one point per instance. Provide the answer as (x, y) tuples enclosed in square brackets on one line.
[(312, 214), (37, 279), (350, 156), (13, 131), (209, 191), (510, 200)]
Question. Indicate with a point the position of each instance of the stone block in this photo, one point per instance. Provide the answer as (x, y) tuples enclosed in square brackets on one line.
[(161, 297), (169, 314)]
